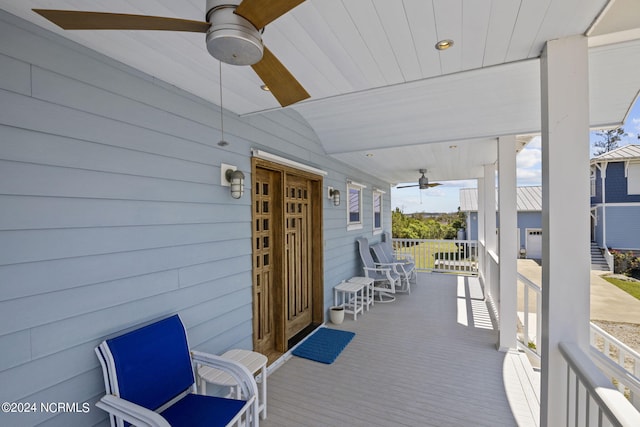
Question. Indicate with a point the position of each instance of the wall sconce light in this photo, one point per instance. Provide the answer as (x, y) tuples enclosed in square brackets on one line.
[(335, 195), (233, 178)]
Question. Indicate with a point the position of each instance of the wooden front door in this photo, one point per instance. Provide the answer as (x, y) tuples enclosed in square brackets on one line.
[(287, 255), (265, 265), (298, 251)]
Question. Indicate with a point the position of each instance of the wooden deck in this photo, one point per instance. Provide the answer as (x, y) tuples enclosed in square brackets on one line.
[(428, 359)]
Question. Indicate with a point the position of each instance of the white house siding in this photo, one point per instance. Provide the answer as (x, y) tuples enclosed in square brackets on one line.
[(112, 214), (623, 226)]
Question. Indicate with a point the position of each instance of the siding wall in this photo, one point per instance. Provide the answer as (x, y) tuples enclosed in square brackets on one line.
[(623, 227), (112, 214), (528, 220), (616, 184), (623, 210), (525, 220)]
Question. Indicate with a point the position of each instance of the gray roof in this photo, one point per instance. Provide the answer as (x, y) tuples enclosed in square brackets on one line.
[(529, 199), (626, 152)]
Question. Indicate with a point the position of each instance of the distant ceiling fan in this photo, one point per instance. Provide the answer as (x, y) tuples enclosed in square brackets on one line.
[(234, 35), (423, 182)]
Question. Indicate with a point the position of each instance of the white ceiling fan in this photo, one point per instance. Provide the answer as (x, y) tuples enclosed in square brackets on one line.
[(423, 182), (233, 35)]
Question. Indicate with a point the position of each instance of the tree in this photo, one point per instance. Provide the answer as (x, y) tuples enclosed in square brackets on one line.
[(609, 140)]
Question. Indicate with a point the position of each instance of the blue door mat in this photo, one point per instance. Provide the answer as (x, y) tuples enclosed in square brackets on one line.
[(324, 346)]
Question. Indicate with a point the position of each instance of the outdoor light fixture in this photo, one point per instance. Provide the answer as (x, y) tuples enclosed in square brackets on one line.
[(236, 179), (232, 178), (335, 195)]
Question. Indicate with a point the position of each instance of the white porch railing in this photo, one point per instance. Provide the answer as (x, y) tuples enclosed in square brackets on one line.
[(458, 256), (625, 369), (591, 398), (615, 359), (592, 378), (529, 315)]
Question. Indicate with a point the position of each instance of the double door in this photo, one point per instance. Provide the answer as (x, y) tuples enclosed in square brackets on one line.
[(287, 255)]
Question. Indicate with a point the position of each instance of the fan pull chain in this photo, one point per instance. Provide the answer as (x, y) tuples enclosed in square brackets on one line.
[(222, 142)]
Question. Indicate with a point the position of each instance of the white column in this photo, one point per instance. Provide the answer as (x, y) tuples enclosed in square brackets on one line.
[(491, 274), (565, 215), (508, 242), (603, 178), (490, 207), (482, 252)]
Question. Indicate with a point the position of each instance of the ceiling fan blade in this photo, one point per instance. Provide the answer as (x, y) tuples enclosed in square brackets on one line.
[(79, 20), (280, 81), (261, 12), (434, 184), (407, 186)]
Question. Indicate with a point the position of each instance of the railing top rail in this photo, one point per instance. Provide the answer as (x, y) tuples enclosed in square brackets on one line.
[(529, 283), (618, 410), (631, 352), (609, 367)]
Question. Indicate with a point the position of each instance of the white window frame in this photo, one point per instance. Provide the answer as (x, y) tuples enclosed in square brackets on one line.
[(593, 181), (377, 193), (633, 178), (355, 188)]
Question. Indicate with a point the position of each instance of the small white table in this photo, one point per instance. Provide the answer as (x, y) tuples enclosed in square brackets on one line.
[(253, 361), (352, 303), (368, 283)]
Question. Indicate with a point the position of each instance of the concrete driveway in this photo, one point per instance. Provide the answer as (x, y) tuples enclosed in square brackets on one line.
[(608, 302)]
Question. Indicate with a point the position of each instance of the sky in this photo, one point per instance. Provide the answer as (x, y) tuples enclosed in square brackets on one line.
[(445, 198)]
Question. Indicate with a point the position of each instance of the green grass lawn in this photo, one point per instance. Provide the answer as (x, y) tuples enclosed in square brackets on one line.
[(423, 253), (630, 287)]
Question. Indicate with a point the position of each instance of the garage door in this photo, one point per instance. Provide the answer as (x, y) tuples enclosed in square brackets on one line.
[(534, 243)]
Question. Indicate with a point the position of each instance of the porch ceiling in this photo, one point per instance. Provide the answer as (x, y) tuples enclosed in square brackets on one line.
[(378, 85)]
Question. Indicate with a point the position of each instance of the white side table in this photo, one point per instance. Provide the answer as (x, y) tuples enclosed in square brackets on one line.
[(368, 284), (352, 303), (253, 361)]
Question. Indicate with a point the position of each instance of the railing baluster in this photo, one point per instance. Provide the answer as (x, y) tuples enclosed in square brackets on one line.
[(458, 256)]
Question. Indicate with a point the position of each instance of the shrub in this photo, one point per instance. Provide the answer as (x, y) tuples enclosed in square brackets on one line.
[(626, 263)]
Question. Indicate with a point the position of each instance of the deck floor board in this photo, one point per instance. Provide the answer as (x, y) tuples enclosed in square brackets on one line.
[(417, 361)]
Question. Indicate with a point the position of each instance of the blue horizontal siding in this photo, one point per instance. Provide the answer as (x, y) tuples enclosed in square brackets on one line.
[(623, 227), (615, 186), (113, 214)]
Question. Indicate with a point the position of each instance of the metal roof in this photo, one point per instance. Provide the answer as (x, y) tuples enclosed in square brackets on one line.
[(529, 199), (626, 152)]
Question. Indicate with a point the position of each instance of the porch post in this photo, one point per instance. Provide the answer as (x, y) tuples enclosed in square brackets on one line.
[(565, 215), (489, 191), (508, 242), (482, 245)]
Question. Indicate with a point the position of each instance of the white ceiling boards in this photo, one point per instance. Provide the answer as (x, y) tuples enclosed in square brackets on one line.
[(375, 78)]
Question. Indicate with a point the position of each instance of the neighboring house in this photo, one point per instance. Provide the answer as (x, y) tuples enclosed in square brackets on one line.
[(529, 208), (615, 198)]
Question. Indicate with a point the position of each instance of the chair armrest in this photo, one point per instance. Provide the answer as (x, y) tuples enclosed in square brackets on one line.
[(239, 372), (402, 256), (377, 269), (394, 266), (131, 412)]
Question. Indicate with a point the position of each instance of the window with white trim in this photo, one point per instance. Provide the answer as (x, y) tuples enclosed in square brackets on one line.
[(377, 211), (633, 178), (354, 206), (593, 181)]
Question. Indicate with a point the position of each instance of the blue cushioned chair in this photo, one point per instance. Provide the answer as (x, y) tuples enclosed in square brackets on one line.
[(149, 379)]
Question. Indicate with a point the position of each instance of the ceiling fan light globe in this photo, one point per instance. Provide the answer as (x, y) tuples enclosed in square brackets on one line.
[(231, 38)]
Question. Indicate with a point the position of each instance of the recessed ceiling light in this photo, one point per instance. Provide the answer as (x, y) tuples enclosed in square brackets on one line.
[(369, 154), (444, 44), (265, 88), (453, 147)]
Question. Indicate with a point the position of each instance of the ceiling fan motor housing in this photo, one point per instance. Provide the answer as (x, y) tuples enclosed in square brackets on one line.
[(231, 38)]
